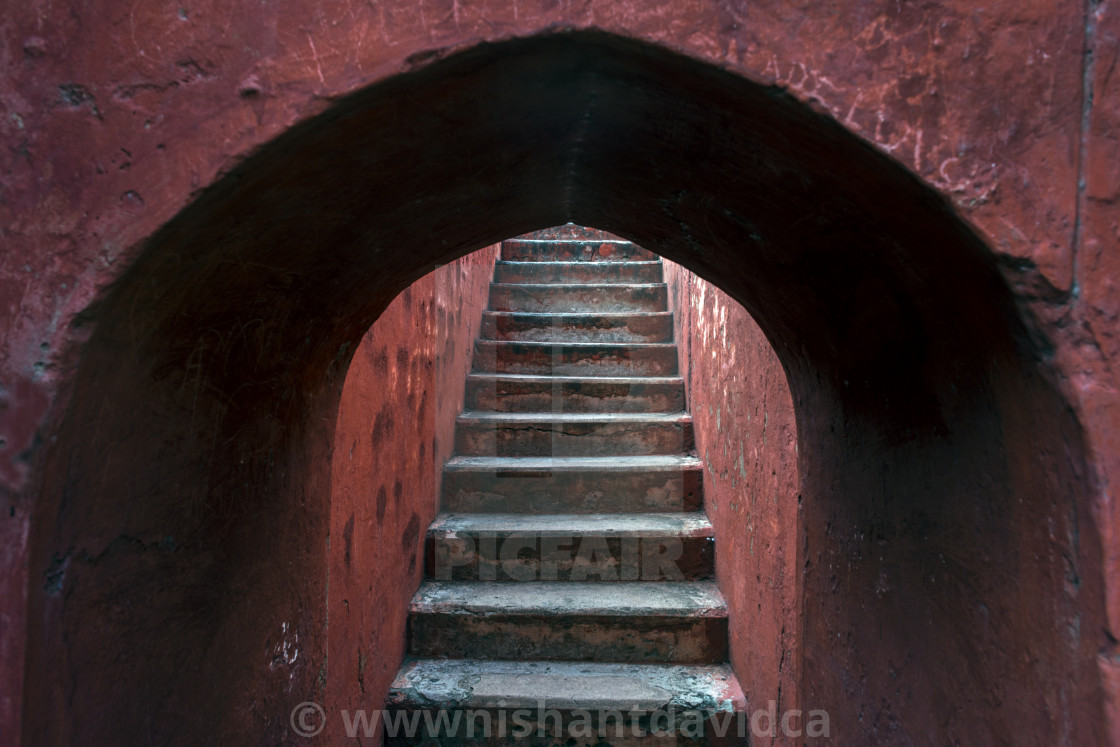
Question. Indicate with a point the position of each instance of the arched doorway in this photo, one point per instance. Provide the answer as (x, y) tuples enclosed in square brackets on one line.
[(947, 588)]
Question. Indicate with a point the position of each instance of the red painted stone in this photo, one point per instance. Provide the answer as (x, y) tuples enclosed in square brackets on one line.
[(201, 393), (746, 434), (395, 430)]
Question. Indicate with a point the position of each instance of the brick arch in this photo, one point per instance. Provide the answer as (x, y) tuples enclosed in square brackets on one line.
[(184, 510)]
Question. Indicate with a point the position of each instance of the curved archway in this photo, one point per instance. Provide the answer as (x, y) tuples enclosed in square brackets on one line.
[(946, 586)]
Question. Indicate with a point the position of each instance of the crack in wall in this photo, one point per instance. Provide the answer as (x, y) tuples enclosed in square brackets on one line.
[(1088, 68)]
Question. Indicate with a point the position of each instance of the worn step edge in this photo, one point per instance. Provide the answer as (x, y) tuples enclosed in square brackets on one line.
[(567, 272), (575, 358), (573, 345), (604, 252), (545, 287), (582, 297), (487, 683), (522, 240), (581, 314), (569, 231), (567, 547), (530, 464), (616, 327), (572, 358), (680, 524), (591, 418), (643, 263), (670, 599), (681, 622), (573, 484), (577, 318), (565, 264), (565, 379), (538, 392)]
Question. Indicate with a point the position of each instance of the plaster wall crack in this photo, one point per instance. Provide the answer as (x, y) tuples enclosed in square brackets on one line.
[(1087, 70)]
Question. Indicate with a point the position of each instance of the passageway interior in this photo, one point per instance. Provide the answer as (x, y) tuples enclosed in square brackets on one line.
[(182, 538), (571, 562)]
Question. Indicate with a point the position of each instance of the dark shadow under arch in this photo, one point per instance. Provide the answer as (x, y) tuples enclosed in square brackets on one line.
[(950, 577)]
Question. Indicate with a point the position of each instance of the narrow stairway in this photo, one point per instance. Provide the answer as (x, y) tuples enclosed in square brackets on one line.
[(571, 571)]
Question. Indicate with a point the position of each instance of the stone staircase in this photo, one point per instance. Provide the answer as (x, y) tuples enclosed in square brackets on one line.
[(569, 596)]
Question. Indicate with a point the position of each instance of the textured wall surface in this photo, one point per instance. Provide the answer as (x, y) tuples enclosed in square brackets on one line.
[(969, 379), (395, 430), (747, 436)]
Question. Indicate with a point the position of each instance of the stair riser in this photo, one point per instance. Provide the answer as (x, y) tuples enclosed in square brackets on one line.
[(567, 360), (519, 250), (524, 557), (565, 637), (586, 328), (534, 725), (579, 298), (625, 704), (573, 439), (578, 272), (542, 396), (583, 492), (570, 231)]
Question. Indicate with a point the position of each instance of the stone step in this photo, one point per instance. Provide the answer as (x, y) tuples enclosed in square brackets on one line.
[(570, 231), (533, 393), (677, 622), (570, 547), (605, 273), (575, 358), (581, 298), (572, 434), (511, 325), (542, 703), (572, 484), (573, 250)]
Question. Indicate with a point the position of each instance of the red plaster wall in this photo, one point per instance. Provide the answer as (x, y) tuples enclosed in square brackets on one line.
[(1095, 346), (747, 437), (114, 116), (395, 430)]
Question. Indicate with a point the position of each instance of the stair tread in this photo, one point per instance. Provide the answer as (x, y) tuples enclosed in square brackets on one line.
[(556, 272), (692, 599), (544, 243), (587, 314), (644, 463), (572, 358), (580, 286), (577, 248), (578, 296), (480, 416), (577, 345), (682, 524), (488, 683), (641, 262), (570, 231), (524, 240), (566, 378)]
